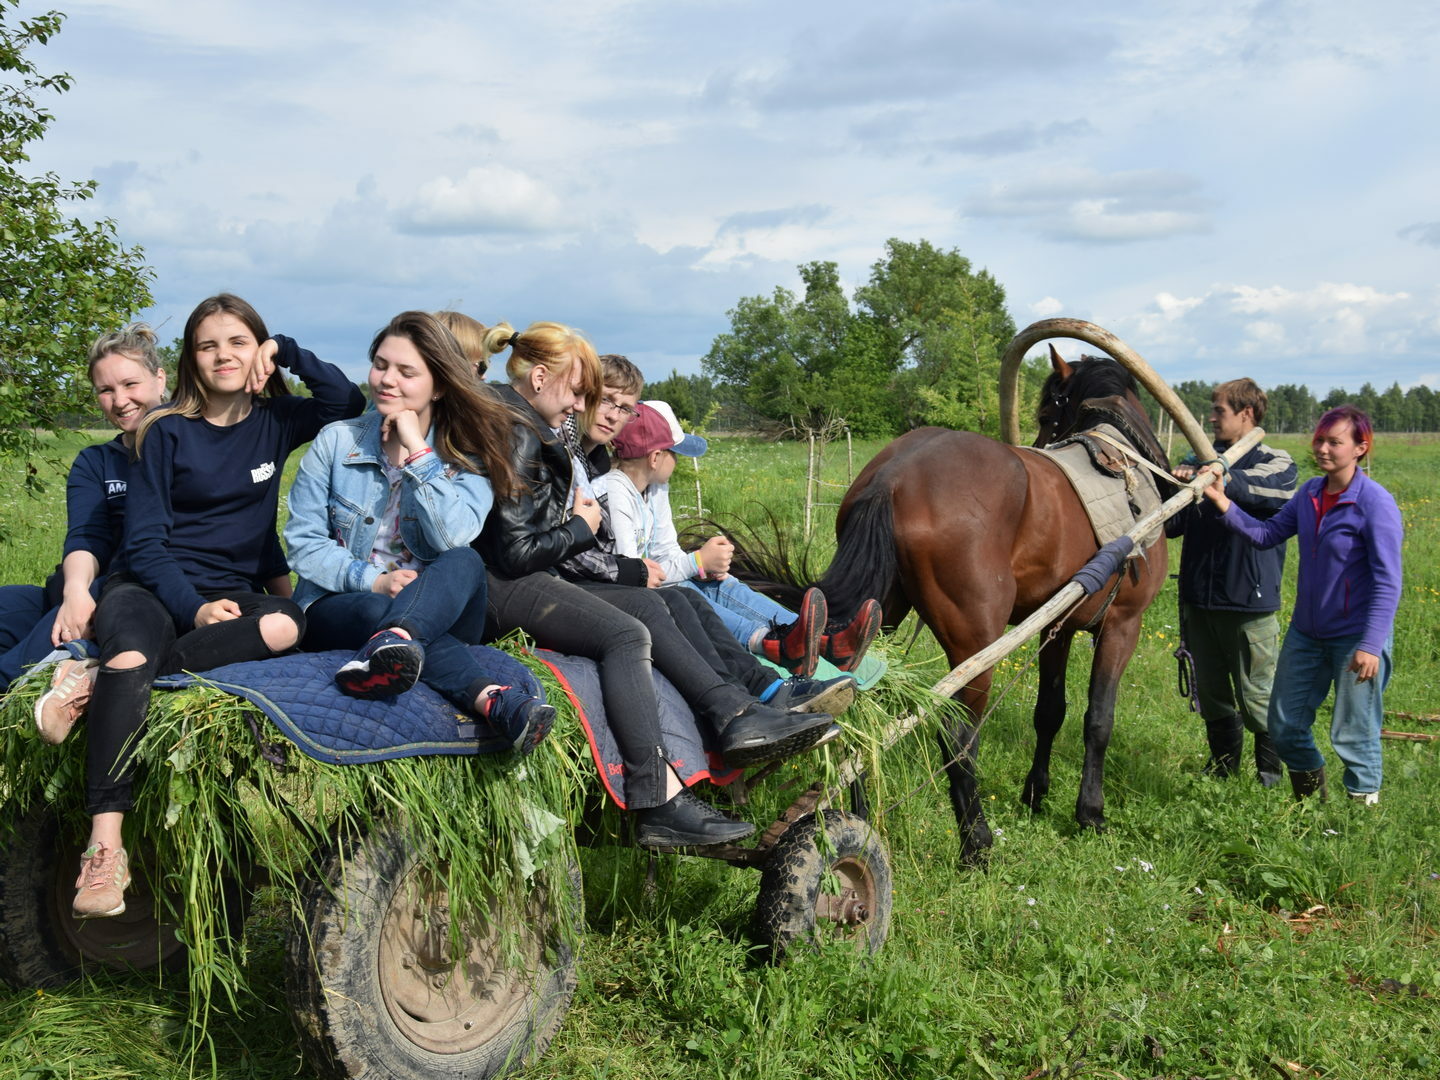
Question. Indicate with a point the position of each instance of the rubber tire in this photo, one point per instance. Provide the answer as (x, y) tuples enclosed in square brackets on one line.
[(342, 982), (41, 943), (794, 910)]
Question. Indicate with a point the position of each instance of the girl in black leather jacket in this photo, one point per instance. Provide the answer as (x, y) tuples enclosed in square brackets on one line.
[(552, 371)]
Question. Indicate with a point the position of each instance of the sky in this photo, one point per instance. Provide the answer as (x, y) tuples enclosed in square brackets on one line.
[(1233, 188)]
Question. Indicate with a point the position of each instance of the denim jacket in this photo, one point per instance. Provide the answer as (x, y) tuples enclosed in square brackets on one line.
[(340, 493)]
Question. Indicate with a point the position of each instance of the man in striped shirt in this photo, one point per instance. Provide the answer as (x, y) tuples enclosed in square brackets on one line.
[(1230, 590)]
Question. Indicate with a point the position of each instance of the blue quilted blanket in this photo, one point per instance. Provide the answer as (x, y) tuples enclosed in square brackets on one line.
[(298, 694)]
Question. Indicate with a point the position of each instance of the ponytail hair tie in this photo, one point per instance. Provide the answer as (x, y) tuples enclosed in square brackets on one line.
[(514, 337)]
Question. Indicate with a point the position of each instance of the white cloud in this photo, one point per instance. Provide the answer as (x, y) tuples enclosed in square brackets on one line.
[(636, 167), (1322, 335), (488, 198), (1091, 207)]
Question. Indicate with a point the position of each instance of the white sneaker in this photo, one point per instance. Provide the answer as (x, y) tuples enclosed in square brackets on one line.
[(1367, 798)]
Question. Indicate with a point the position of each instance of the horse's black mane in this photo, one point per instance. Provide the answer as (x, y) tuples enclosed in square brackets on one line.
[(1093, 378)]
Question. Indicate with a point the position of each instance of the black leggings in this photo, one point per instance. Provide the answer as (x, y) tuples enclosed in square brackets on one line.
[(714, 642), (130, 618), (561, 615)]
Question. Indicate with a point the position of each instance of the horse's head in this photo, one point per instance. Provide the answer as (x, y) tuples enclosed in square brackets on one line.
[(1092, 391)]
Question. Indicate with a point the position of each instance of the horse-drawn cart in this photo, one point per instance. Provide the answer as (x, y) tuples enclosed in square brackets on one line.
[(435, 903)]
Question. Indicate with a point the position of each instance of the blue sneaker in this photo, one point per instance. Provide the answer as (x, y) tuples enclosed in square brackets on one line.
[(521, 719), (386, 665), (831, 696)]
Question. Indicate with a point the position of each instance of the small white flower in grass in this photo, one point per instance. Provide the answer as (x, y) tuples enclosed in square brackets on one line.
[(1331, 832), (1146, 867), (998, 831), (1122, 869), (1199, 891), (1164, 907), (1031, 901)]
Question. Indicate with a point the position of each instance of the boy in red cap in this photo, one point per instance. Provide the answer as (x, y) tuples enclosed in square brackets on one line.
[(638, 507)]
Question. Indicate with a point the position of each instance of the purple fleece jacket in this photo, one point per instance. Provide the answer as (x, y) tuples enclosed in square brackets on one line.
[(1349, 583)]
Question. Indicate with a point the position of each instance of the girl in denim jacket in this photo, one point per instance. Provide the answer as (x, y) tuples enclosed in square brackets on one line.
[(382, 513)]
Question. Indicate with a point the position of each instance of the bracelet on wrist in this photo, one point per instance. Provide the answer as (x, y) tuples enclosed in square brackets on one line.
[(699, 566), (418, 455)]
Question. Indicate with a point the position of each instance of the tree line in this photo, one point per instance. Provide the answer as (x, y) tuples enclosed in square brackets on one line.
[(920, 343), (1295, 409)]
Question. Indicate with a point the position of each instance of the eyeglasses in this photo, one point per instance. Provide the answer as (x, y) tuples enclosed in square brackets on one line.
[(613, 406)]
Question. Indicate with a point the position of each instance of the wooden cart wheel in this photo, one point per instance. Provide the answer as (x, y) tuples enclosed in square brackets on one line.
[(376, 990), (42, 944), (825, 880)]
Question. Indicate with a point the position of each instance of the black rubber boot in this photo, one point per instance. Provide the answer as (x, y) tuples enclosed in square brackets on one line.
[(1267, 762), (1227, 741), (1307, 782)]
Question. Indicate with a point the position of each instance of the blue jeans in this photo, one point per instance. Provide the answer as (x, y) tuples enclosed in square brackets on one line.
[(741, 608), (1307, 669), (25, 628), (443, 609)]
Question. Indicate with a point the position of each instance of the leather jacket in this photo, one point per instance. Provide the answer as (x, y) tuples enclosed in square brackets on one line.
[(533, 532)]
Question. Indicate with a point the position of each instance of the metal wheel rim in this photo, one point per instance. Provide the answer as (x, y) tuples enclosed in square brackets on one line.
[(446, 1005), (136, 938), (847, 913)]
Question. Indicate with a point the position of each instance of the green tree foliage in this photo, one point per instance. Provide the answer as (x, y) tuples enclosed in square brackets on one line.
[(1196, 395), (62, 280), (951, 326), (1291, 408), (804, 361), (921, 344), (693, 397)]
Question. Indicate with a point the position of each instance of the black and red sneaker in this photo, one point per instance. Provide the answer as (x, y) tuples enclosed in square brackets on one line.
[(523, 720), (846, 647), (386, 665), (797, 646)]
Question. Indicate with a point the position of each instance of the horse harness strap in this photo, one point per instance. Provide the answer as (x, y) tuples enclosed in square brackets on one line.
[(1131, 453)]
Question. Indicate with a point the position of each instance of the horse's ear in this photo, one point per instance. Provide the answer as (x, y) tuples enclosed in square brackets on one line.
[(1058, 365)]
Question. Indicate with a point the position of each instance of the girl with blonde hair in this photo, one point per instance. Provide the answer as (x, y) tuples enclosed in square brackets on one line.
[(553, 372)]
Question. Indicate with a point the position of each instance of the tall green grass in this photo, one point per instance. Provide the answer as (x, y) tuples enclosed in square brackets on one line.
[(1216, 929)]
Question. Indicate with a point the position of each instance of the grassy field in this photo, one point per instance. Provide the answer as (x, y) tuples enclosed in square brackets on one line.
[(1216, 930)]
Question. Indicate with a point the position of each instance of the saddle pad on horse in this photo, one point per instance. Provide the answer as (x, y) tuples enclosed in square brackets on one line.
[(1113, 502), (298, 693)]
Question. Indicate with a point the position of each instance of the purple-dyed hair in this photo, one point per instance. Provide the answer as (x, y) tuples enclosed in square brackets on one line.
[(1361, 429)]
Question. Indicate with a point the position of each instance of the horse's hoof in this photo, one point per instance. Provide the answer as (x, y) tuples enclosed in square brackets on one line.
[(975, 859), (975, 850), (1032, 796)]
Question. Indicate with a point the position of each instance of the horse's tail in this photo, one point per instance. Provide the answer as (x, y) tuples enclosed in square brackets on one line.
[(766, 557), (865, 563), (864, 566)]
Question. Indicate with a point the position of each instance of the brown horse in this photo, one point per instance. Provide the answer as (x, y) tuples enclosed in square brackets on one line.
[(974, 534)]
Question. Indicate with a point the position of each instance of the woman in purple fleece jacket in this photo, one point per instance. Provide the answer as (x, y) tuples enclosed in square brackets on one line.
[(1349, 533)]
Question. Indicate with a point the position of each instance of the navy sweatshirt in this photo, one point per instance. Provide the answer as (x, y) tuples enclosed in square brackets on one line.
[(95, 500), (202, 503)]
